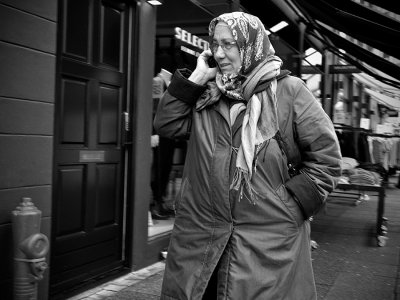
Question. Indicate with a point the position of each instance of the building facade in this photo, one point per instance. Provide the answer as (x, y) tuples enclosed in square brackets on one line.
[(75, 134)]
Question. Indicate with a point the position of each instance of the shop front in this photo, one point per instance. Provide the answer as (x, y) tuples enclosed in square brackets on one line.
[(181, 35)]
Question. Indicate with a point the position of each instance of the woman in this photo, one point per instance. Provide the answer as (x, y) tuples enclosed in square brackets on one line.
[(241, 228)]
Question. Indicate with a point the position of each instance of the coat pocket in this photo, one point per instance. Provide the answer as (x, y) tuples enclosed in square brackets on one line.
[(290, 204)]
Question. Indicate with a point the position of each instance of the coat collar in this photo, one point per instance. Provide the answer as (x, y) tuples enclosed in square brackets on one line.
[(222, 107)]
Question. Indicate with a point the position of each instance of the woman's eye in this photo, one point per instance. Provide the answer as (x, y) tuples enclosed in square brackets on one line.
[(227, 45)]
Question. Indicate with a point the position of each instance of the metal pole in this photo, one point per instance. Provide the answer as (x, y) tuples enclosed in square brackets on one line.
[(323, 81), (302, 29)]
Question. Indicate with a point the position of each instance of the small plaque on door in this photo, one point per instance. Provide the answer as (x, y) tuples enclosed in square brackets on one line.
[(91, 156)]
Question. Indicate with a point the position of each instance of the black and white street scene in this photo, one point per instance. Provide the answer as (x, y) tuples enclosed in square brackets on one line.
[(199, 150)]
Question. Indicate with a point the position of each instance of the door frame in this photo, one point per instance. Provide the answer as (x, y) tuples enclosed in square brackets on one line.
[(141, 252)]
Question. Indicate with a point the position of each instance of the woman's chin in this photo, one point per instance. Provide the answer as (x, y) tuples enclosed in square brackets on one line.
[(226, 70)]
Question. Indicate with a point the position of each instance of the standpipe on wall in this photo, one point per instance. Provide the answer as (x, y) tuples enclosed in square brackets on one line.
[(30, 249)]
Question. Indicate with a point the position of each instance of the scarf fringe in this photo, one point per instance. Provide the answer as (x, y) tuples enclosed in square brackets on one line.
[(242, 182), (257, 151)]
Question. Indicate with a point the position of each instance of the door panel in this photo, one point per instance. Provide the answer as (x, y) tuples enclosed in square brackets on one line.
[(76, 20), (73, 109), (88, 198), (70, 200), (110, 45), (109, 112), (107, 190)]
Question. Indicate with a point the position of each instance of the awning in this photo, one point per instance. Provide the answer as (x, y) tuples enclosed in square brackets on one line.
[(388, 5), (371, 82), (385, 100), (340, 26), (362, 54), (361, 23)]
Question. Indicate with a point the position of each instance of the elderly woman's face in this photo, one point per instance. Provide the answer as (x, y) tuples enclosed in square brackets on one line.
[(225, 50)]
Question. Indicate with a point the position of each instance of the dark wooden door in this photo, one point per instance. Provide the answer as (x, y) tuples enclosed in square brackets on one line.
[(89, 151)]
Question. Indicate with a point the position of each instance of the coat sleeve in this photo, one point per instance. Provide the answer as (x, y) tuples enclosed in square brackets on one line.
[(173, 118), (320, 166)]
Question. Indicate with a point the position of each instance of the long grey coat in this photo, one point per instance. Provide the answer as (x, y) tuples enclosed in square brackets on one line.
[(263, 250)]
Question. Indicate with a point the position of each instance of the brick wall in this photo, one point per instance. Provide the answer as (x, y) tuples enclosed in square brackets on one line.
[(28, 32)]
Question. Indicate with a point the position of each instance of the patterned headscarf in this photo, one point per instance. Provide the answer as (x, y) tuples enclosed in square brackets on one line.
[(250, 36), (259, 65)]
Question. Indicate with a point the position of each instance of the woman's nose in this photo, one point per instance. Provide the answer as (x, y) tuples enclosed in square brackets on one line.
[(219, 52)]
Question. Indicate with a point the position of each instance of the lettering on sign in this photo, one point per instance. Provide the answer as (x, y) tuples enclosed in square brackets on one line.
[(191, 39), (190, 51)]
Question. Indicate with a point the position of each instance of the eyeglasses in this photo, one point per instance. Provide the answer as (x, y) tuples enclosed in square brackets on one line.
[(225, 46)]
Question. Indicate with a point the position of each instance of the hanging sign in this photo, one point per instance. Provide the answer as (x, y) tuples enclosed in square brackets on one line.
[(311, 69), (342, 69), (192, 40), (333, 69)]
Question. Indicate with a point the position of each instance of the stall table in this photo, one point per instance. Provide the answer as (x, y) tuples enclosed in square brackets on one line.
[(381, 221)]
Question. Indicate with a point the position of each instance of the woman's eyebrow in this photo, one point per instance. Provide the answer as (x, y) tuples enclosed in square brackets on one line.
[(224, 40)]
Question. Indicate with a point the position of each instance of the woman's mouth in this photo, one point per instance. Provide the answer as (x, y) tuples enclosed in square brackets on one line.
[(224, 65)]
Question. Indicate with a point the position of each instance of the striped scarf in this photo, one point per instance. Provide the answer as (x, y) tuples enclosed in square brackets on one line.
[(260, 123)]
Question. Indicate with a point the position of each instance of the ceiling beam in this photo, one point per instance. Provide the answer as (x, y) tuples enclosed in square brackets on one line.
[(296, 18)]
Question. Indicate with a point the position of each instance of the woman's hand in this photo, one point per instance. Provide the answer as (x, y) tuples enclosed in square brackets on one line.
[(203, 72)]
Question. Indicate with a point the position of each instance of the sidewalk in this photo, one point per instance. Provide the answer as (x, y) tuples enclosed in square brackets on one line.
[(140, 285), (348, 264)]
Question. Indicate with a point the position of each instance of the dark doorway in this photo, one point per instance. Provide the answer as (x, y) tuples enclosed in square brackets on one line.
[(88, 205)]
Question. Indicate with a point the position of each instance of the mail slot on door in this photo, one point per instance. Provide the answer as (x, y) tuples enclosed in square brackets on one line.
[(91, 156)]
